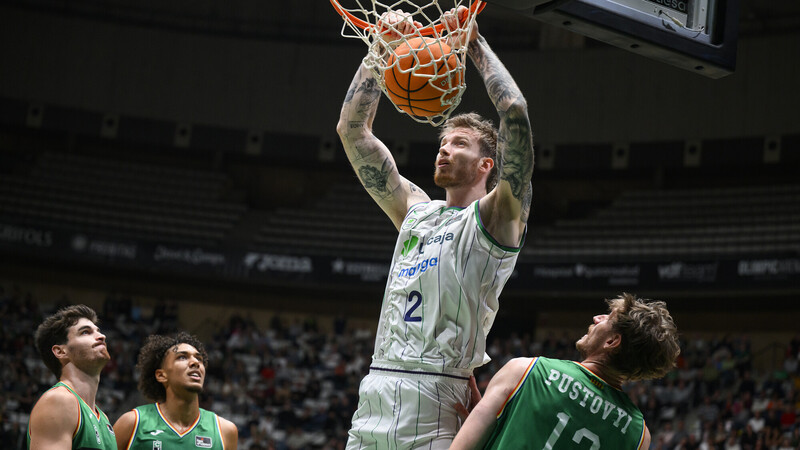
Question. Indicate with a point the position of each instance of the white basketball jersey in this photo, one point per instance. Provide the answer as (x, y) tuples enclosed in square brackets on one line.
[(441, 297)]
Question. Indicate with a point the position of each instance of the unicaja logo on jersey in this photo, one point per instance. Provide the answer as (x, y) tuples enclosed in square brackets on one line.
[(409, 245), (202, 441)]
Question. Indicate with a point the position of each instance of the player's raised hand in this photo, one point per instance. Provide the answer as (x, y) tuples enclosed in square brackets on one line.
[(455, 21), (395, 24)]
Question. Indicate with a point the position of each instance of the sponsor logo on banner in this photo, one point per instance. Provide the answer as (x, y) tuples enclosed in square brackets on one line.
[(614, 275), (195, 256), (266, 262), (681, 271), (26, 235), (768, 268), (366, 271), (100, 247)]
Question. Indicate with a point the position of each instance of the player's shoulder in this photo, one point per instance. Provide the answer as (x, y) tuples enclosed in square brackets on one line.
[(60, 398), (129, 416), (227, 424), (56, 412), (126, 421), (515, 368), (229, 432)]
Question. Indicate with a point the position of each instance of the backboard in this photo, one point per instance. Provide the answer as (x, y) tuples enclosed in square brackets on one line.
[(697, 35)]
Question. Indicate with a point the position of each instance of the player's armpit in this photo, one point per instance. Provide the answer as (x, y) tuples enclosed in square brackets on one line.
[(54, 420)]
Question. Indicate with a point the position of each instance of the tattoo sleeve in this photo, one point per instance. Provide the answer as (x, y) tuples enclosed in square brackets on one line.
[(515, 138), (370, 159)]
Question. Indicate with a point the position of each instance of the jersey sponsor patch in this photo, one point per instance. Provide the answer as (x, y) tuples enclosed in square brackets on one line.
[(202, 441), (419, 268)]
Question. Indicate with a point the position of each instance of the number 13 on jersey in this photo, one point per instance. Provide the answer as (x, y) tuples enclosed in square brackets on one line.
[(579, 435)]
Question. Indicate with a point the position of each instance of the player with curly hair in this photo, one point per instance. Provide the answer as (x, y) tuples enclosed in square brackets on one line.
[(172, 371)]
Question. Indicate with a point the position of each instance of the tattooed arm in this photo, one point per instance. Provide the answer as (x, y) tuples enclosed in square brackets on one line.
[(505, 210), (371, 160)]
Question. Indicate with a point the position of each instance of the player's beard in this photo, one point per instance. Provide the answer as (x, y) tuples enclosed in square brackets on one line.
[(456, 174)]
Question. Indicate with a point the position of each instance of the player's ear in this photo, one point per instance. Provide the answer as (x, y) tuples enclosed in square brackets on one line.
[(486, 164), (161, 376), (59, 351), (614, 341)]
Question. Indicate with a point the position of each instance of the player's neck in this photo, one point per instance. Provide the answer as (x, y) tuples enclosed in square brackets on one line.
[(181, 410), (463, 196), (84, 384), (604, 371)]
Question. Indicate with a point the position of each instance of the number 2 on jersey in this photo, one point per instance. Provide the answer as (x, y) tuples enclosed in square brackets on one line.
[(415, 297), (576, 438)]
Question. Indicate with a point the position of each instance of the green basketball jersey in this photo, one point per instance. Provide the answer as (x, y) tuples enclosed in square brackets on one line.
[(94, 431), (154, 432), (561, 405)]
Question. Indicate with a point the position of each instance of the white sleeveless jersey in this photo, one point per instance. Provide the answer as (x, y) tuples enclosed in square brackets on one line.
[(441, 297)]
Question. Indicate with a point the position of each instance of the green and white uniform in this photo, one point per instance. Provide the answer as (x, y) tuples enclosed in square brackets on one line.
[(440, 301), (562, 405), (154, 432), (94, 431)]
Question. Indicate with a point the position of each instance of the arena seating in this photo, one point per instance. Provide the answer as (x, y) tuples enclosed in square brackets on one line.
[(686, 223), (122, 199)]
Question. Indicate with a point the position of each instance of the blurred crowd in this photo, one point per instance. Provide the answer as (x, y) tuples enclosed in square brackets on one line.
[(290, 385)]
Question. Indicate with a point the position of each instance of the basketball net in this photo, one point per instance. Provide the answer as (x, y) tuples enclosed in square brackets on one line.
[(361, 21)]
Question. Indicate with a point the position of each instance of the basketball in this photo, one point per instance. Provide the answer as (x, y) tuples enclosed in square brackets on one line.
[(419, 75)]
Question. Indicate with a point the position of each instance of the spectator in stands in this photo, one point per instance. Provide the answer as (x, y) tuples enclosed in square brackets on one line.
[(749, 437), (756, 422), (708, 412)]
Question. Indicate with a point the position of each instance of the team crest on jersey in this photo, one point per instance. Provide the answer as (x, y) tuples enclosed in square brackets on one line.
[(110, 429), (202, 441), (156, 445)]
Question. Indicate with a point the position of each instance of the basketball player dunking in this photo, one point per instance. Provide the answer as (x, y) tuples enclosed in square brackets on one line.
[(452, 257)]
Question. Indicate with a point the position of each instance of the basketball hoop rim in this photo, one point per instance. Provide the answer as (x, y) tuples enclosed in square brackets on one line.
[(475, 8)]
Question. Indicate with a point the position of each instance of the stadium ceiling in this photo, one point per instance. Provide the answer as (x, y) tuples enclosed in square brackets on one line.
[(316, 21)]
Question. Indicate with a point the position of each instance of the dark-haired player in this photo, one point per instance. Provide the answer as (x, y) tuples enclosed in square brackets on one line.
[(66, 416), (171, 373)]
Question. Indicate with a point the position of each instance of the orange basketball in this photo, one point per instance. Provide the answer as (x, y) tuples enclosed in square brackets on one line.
[(420, 92)]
